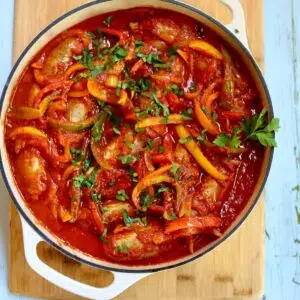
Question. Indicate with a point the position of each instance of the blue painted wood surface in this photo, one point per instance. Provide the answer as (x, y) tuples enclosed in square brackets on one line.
[(282, 72)]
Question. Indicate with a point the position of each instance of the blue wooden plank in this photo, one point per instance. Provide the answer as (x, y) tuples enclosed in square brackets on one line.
[(282, 56)]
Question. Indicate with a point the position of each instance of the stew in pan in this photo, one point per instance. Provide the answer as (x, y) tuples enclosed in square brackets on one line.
[(137, 136)]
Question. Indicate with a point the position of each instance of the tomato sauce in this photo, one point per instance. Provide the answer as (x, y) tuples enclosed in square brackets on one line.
[(127, 136)]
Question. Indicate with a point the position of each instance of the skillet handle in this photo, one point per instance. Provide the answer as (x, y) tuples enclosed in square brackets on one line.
[(121, 280), (237, 25)]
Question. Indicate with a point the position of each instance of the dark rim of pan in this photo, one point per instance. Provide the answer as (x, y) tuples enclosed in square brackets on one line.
[(124, 268)]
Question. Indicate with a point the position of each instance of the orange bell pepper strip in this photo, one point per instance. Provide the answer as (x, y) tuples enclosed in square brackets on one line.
[(146, 182), (136, 67), (160, 171), (78, 94), (153, 121), (205, 48), (204, 120), (196, 152), (74, 68), (27, 130), (192, 222)]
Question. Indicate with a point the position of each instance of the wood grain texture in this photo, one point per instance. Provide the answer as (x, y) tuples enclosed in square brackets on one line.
[(232, 271)]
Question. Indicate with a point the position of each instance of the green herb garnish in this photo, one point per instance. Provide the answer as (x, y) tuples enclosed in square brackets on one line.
[(233, 141), (257, 129), (129, 220), (121, 195), (107, 21), (127, 159), (185, 139), (187, 114)]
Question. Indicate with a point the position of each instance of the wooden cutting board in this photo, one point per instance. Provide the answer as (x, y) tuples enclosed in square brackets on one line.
[(232, 271)]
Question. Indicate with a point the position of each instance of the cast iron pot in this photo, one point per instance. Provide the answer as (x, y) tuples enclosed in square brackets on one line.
[(33, 229)]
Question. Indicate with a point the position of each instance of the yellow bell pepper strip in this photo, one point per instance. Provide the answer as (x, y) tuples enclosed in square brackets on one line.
[(196, 152), (147, 182), (153, 121), (30, 113), (98, 91), (27, 130), (184, 55), (228, 83), (123, 98), (209, 101), (35, 89), (204, 120), (160, 171), (72, 126), (112, 80), (205, 48), (192, 222), (185, 208)]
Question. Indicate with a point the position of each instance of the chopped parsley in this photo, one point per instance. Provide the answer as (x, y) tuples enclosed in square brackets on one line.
[(118, 89), (172, 51), (133, 175), (201, 138), (107, 21), (129, 220), (214, 116), (185, 139), (77, 57), (138, 45), (146, 200), (162, 189), (128, 143), (187, 114), (142, 114), (118, 54), (174, 170), (86, 164), (144, 84), (204, 109), (98, 127), (153, 59), (122, 248), (149, 145), (161, 149), (233, 141), (121, 195), (95, 197), (102, 237), (77, 156), (192, 86), (172, 217), (174, 88), (160, 105), (127, 159)]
